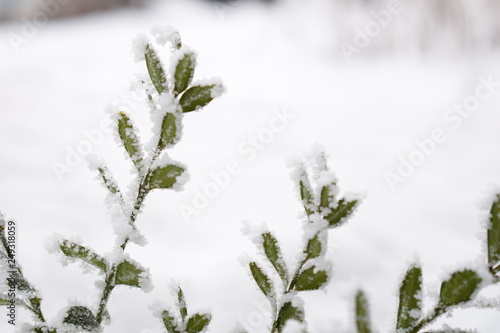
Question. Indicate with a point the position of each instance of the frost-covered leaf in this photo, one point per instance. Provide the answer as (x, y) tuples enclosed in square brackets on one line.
[(314, 247), (306, 193), (288, 312), (169, 131), (128, 274), (4, 300), (44, 329), (494, 234), (155, 69), (182, 304), (74, 250), (338, 215), (326, 198), (261, 279), (20, 282), (170, 322), (165, 177), (410, 295), (82, 318), (184, 72), (459, 288), (198, 322), (197, 97), (362, 313), (108, 180), (129, 138), (273, 253), (311, 279)]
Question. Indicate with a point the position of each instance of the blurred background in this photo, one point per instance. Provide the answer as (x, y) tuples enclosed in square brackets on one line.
[(370, 80)]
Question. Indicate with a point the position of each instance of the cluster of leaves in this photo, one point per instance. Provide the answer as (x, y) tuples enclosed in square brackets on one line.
[(184, 323), (459, 290), (324, 211), (182, 97)]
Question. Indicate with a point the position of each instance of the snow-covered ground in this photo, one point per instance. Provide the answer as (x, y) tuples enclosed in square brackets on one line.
[(367, 113)]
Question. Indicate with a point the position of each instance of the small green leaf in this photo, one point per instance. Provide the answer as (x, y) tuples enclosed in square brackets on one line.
[(4, 300), (184, 72), (165, 177), (155, 69), (494, 234), (182, 304), (310, 279), (82, 318), (170, 322), (198, 322), (169, 134), (459, 288), (306, 193), (128, 274), (198, 96), (15, 280), (74, 250), (327, 198), (44, 329), (273, 253), (288, 312), (410, 295), (129, 139), (362, 313), (261, 279), (343, 210), (314, 247), (108, 180)]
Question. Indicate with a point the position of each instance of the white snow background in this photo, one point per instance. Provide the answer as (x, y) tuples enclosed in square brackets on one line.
[(365, 113)]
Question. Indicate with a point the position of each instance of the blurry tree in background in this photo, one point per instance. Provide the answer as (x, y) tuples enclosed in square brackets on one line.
[(15, 9), (459, 26)]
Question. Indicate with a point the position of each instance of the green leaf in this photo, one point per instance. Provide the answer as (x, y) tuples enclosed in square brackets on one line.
[(108, 180), (343, 210), (184, 72), (165, 177), (169, 133), (362, 313), (310, 279), (182, 304), (23, 286), (326, 198), (82, 318), (306, 193), (288, 312), (314, 247), (198, 96), (170, 322), (198, 322), (44, 329), (129, 139), (273, 253), (74, 250), (4, 300), (494, 234), (155, 69), (459, 288), (261, 279), (410, 295), (128, 274)]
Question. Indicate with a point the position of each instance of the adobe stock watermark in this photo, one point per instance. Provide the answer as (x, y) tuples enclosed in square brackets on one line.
[(364, 36), (31, 26), (256, 319), (248, 150), (453, 119), (75, 154)]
